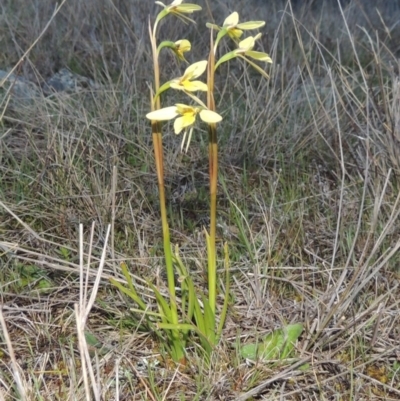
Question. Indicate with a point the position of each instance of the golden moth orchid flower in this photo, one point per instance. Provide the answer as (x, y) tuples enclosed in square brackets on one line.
[(233, 28), (185, 121), (176, 8), (186, 83), (181, 47), (246, 48)]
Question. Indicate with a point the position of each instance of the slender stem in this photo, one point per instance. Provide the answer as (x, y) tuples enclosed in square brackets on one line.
[(156, 105), (213, 171), (159, 159), (213, 162), (158, 152)]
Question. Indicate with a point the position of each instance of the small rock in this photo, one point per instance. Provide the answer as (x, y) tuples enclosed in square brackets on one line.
[(67, 81), (22, 91)]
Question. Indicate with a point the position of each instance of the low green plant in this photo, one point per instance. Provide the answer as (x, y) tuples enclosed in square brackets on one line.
[(32, 277), (197, 310), (279, 344)]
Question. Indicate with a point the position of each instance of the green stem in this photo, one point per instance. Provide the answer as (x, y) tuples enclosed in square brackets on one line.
[(158, 153), (159, 159), (213, 165), (213, 171)]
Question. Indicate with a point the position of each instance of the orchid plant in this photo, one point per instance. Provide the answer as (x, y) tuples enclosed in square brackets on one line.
[(197, 312)]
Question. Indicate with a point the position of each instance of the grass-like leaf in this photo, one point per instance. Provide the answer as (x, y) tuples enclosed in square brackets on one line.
[(277, 345)]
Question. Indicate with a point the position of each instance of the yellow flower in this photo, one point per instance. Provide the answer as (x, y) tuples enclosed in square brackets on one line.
[(185, 121), (185, 81), (232, 27), (235, 30), (181, 47), (178, 9), (246, 48)]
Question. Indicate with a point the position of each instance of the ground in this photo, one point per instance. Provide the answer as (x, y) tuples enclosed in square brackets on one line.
[(307, 202)]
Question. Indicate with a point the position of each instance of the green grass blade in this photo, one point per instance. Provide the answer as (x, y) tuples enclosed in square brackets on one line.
[(131, 294), (212, 271), (209, 320), (166, 311), (227, 291)]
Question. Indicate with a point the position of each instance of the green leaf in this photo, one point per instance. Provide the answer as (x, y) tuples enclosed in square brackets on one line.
[(187, 287), (198, 316), (213, 26), (224, 311), (95, 345), (131, 294), (92, 340), (225, 58), (249, 351), (292, 333), (130, 291), (276, 345), (184, 327), (165, 310), (65, 253), (209, 320), (44, 284)]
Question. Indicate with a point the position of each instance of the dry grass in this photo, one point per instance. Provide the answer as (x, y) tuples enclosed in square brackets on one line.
[(308, 202)]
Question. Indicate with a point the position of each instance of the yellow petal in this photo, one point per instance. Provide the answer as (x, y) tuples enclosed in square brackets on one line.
[(259, 56), (251, 25), (178, 125), (183, 45), (167, 113), (177, 7), (246, 44), (187, 8), (231, 20), (188, 119), (235, 33), (176, 85), (183, 122), (183, 108), (209, 116), (193, 86), (195, 70)]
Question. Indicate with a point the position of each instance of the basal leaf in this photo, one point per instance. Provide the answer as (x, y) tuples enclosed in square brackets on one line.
[(277, 345)]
